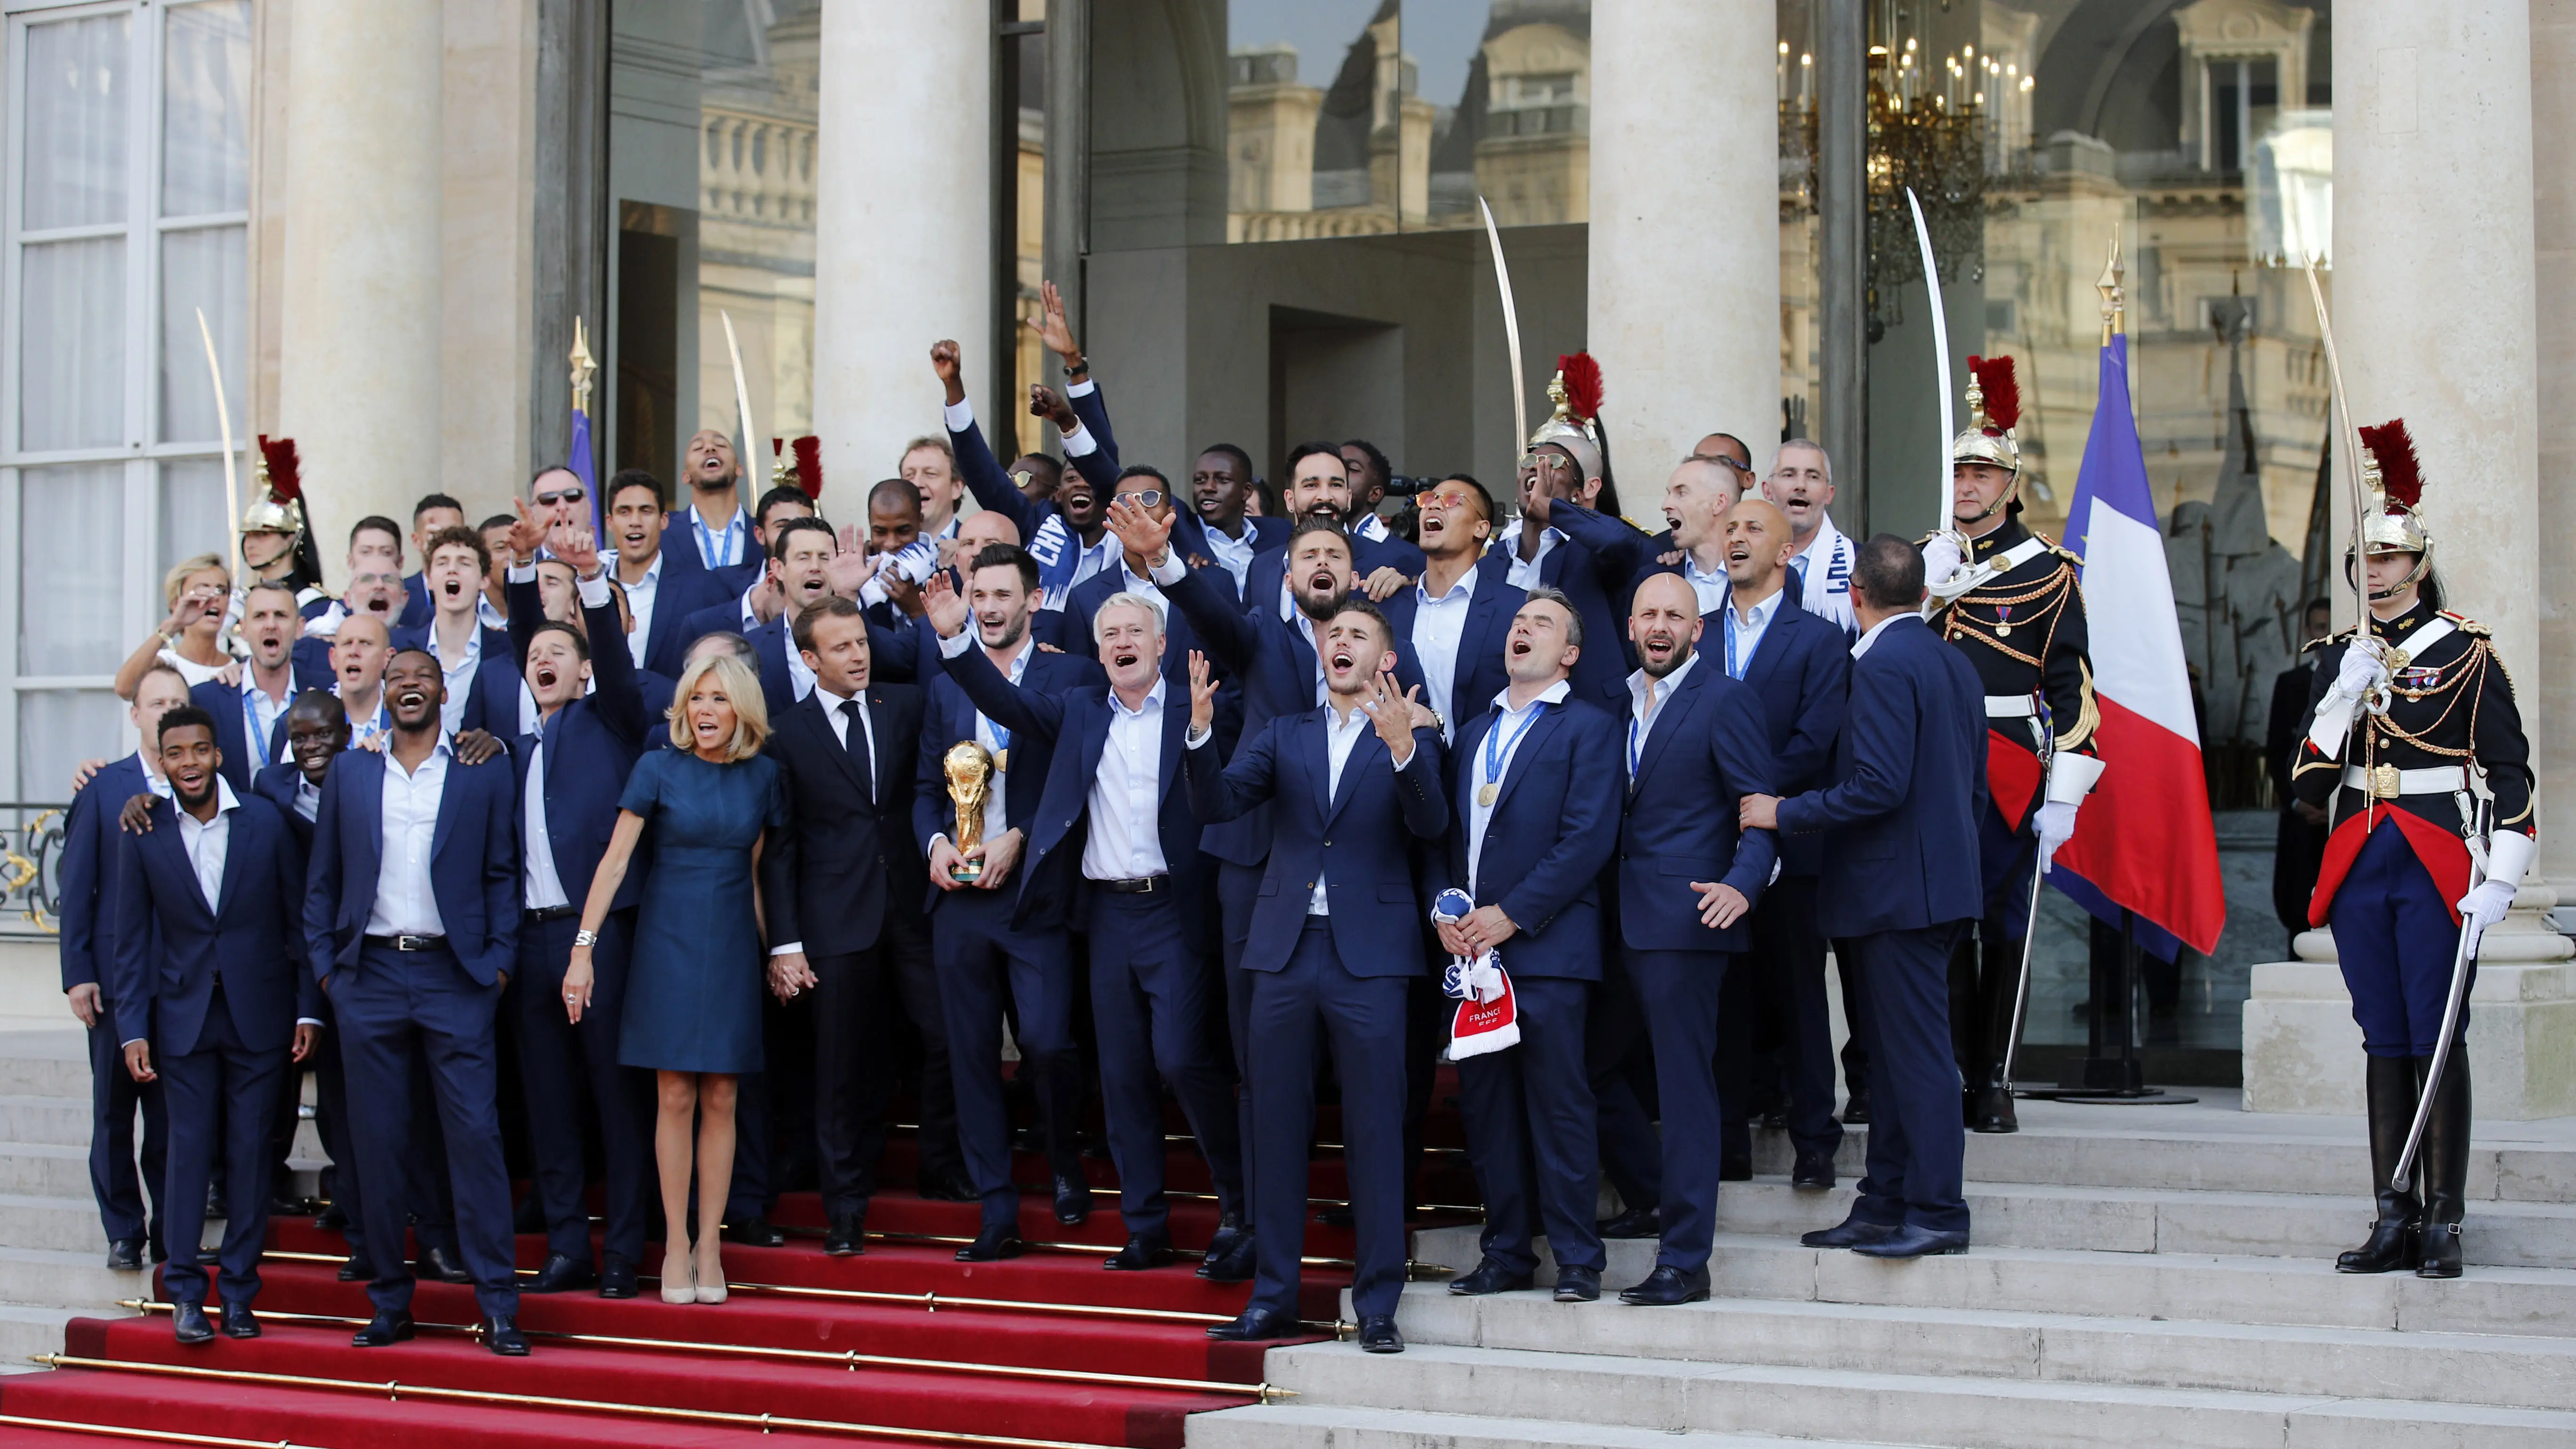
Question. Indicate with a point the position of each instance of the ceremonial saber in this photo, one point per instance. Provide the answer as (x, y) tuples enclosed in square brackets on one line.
[(1511, 330), (741, 396), (2462, 962), (1941, 363), (224, 422), (2351, 454), (2030, 924)]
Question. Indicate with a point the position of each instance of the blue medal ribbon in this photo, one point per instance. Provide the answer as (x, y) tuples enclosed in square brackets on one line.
[(1494, 758)]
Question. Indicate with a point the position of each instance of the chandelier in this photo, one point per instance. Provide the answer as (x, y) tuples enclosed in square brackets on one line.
[(1926, 133)]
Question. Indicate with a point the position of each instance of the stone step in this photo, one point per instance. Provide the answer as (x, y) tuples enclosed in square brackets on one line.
[(26, 1331), (54, 1224), (44, 1169), (47, 1279), (1878, 1407), (2189, 1287), (52, 1063), (2522, 1372), (1338, 1426), (57, 1121), (2500, 1233)]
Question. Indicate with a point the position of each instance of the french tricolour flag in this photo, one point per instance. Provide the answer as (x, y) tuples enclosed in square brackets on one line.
[(2144, 841)]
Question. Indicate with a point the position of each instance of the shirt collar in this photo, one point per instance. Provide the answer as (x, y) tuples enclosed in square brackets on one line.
[(1637, 680), (1464, 588), (1875, 630), (1762, 612), (225, 802), (728, 526), (1556, 693), (1153, 699), (833, 701)]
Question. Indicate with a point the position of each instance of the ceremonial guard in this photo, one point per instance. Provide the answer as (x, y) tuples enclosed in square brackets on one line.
[(2008, 599), (2416, 750)]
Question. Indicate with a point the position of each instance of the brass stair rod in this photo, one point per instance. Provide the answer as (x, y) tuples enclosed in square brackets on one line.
[(67, 1426)]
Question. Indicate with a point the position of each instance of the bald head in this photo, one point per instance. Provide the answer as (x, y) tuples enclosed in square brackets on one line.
[(1663, 623), (1696, 497), (1758, 545), (977, 531)]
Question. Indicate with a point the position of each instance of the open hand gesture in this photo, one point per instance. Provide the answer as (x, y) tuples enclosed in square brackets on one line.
[(1392, 713), (1050, 325), (575, 545), (527, 535), (1202, 693), (1145, 536), (942, 606), (850, 569)]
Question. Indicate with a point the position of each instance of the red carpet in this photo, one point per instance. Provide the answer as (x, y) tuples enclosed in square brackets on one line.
[(874, 1349)]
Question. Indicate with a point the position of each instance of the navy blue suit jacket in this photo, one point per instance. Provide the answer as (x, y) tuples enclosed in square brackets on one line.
[(1900, 819), (492, 700), (1189, 533), (166, 985), (1479, 674), (948, 716), (1555, 825), (1261, 581), (1710, 748), (90, 905), (1358, 841), (1598, 577), (1802, 674), (276, 785), (417, 610), (685, 588), (826, 879), (242, 759), (473, 866), (591, 747), (1279, 674), (1179, 638)]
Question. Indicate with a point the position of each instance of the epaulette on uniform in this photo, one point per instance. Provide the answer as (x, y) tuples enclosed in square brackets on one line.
[(2466, 625)]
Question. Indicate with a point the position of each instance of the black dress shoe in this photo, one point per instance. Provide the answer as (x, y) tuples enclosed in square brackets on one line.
[(238, 1321), (945, 1189), (1994, 1110), (1814, 1172), (1255, 1326), (332, 1220), (443, 1265), (501, 1335), (1644, 1222), (1378, 1335), (1666, 1286), (1777, 1119), (1488, 1277), (188, 1324), (1336, 1217), (616, 1276), (1072, 1201), (757, 1232), (125, 1255), (561, 1273), (1578, 1285), (1856, 1110), (356, 1270), (1143, 1250), (215, 1205), (1849, 1233), (1735, 1169), (385, 1329), (848, 1236), (1237, 1262), (1913, 1242), (992, 1245), (289, 1207)]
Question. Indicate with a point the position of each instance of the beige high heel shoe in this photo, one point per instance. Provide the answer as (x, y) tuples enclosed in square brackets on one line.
[(680, 1286), (714, 1291)]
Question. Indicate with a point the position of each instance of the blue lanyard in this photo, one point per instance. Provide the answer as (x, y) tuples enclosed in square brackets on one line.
[(1493, 759), (1636, 738), (707, 538)]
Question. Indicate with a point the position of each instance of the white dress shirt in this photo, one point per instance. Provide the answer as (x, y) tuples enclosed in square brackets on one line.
[(1126, 840), (260, 712), (1709, 584), (209, 842), (460, 675), (1644, 711), (1493, 763), (1744, 636), (1871, 637), (544, 885), (1524, 573), (1234, 554), (719, 547), (405, 903), (308, 797), (641, 595), (992, 737), (1439, 626), (1341, 732)]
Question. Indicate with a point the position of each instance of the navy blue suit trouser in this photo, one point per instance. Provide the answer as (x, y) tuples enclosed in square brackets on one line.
[(1237, 886), (1788, 956), (1150, 1009), (114, 1097), (2394, 934), (1622, 1071), (219, 1095), (1362, 1018), (562, 1064), (982, 960), (405, 1009), (1917, 1145), (1531, 1130), (1679, 992)]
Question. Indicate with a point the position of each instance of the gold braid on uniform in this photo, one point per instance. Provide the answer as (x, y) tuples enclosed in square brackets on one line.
[(2052, 589), (2088, 716)]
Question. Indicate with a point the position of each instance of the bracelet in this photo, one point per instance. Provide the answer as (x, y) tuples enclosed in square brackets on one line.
[(1079, 367), (585, 938)]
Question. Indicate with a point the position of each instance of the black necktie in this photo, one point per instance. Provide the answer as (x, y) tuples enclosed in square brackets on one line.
[(854, 738)]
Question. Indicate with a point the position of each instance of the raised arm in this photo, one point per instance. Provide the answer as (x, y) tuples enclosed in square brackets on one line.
[(1226, 792), (1617, 547), (975, 461)]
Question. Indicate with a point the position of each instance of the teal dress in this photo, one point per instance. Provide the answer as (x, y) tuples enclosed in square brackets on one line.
[(693, 988)]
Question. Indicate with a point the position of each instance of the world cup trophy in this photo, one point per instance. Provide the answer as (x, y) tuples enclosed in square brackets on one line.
[(970, 770)]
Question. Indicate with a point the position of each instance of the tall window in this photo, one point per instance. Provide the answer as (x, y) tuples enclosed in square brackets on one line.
[(126, 216)]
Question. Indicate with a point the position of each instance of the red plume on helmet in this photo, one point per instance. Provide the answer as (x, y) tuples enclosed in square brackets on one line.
[(1582, 385), (285, 478), (809, 465), (2002, 391), (2399, 471)]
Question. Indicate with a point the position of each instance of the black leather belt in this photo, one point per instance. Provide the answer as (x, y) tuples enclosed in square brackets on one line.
[(1143, 885), (409, 943), (547, 913)]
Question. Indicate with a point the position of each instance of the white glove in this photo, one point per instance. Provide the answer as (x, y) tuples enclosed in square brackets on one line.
[(2509, 855), (1945, 570), (2056, 827), (2365, 668)]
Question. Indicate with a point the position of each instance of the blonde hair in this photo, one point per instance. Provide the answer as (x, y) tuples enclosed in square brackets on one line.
[(177, 578), (741, 690)]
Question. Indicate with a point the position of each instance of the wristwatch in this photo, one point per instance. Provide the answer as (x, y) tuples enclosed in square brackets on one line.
[(585, 938)]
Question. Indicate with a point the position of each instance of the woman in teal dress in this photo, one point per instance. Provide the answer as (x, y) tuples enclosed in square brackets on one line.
[(692, 1012)]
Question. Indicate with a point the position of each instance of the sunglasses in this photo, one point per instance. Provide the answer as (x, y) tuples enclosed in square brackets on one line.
[(1744, 468), (1145, 497), (1551, 461), (567, 495)]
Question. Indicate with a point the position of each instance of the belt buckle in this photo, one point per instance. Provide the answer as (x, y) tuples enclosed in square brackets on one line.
[(2384, 783)]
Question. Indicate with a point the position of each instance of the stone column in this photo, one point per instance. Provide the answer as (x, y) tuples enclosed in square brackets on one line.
[(902, 215), (1684, 275), (2436, 317), (361, 325)]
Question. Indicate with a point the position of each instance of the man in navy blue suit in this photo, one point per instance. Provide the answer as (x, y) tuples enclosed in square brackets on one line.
[(1115, 853), (1217, 529), (433, 515), (412, 925), (1900, 881), (715, 535), (1797, 667), (1151, 491), (1319, 488), (1564, 464), (482, 676), (1457, 615), (249, 717), (1333, 944), (1065, 533), (213, 1004), (1693, 543), (662, 579), (1534, 806), (979, 924), (94, 921), (1687, 878)]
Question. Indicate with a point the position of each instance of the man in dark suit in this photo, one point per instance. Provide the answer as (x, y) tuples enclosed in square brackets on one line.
[(213, 1004), (1115, 853), (1900, 881), (1534, 816), (1564, 466), (1687, 878), (433, 515), (249, 729), (663, 585), (984, 950), (94, 920), (482, 675), (1319, 488), (1797, 666), (2299, 845), (1350, 785), (1064, 533), (848, 753), (1216, 528), (715, 534), (1693, 543), (1132, 575), (412, 924)]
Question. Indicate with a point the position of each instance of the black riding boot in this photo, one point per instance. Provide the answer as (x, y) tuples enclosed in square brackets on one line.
[(1998, 987), (2396, 1237), (1966, 1022), (2443, 1164)]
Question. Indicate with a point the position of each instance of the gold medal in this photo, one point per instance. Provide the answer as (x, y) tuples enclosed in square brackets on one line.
[(1002, 761), (1486, 793)]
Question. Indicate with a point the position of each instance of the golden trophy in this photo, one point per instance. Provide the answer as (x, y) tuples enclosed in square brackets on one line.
[(969, 769)]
